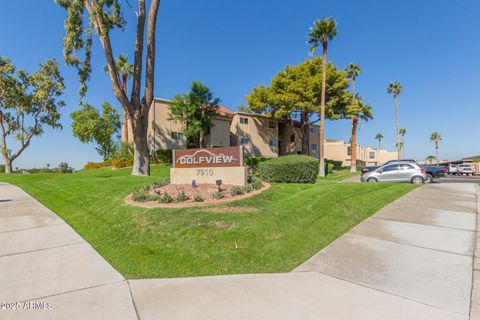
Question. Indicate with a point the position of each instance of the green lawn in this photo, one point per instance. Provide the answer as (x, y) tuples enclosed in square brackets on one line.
[(271, 232)]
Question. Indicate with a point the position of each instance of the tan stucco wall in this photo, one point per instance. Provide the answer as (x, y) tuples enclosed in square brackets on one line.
[(236, 176), (338, 151), (161, 127), (258, 132)]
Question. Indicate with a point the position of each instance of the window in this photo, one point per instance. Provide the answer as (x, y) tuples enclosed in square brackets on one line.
[(292, 138), (244, 141), (390, 168), (272, 142), (349, 151), (372, 154), (177, 135), (272, 124), (406, 167), (313, 146), (313, 130), (243, 120)]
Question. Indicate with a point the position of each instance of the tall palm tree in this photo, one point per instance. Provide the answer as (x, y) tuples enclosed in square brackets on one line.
[(430, 159), (353, 71), (436, 137), (125, 70), (402, 132), (379, 137), (356, 112), (395, 88), (323, 31)]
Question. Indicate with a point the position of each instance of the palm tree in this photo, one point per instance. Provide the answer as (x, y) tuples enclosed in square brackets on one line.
[(436, 137), (353, 71), (379, 137), (323, 30), (395, 89), (430, 159), (402, 132), (125, 69), (356, 112)]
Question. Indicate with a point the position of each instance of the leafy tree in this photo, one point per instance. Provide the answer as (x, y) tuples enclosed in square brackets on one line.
[(403, 132), (321, 33), (430, 159), (63, 167), (379, 137), (89, 126), (436, 137), (97, 18), (395, 88), (295, 92), (354, 111), (195, 110), (28, 102)]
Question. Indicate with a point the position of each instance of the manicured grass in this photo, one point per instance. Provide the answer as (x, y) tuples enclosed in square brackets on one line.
[(339, 175), (271, 232)]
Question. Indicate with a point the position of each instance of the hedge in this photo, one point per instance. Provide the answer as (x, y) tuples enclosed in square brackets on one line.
[(164, 156), (290, 169)]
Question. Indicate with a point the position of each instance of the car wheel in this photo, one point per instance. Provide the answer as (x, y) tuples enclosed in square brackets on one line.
[(417, 180), (429, 179), (372, 180)]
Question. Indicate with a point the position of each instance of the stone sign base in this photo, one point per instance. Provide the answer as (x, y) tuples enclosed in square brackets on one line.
[(236, 176)]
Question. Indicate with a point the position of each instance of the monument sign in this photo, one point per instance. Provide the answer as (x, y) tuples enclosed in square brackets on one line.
[(208, 165)]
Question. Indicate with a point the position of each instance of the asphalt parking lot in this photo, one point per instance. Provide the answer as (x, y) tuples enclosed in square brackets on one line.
[(459, 179)]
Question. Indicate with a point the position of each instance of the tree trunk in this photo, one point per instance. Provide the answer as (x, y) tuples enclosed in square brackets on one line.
[(306, 134), (141, 157), (436, 151), (353, 145), (125, 117), (8, 165), (398, 132), (321, 150)]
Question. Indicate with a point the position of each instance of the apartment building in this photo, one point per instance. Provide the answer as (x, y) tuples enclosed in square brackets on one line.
[(366, 156), (260, 135)]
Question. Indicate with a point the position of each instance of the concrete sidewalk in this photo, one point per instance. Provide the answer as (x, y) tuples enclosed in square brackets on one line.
[(44, 260), (411, 260)]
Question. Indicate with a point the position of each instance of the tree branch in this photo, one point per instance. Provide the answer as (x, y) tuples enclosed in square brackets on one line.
[(150, 67), (137, 65), (96, 12)]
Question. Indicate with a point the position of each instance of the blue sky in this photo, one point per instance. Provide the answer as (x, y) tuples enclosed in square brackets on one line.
[(431, 46)]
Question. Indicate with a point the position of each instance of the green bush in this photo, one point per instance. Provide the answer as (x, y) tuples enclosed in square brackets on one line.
[(164, 156), (253, 162), (255, 182), (165, 198), (290, 169), (218, 195), (198, 198), (182, 196), (248, 188), (96, 165), (236, 191)]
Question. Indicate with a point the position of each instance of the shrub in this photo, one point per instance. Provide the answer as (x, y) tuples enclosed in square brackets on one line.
[(182, 196), (198, 198), (236, 191), (253, 162), (160, 183), (63, 167), (248, 188), (122, 163), (2, 168), (164, 156), (218, 195), (165, 198), (255, 182), (290, 169), (142, 195), (97, 165)]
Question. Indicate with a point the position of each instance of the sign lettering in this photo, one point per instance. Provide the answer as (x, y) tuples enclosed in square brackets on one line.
[(208, 157)]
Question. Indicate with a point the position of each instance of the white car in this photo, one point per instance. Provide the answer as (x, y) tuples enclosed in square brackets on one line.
[(465, 169)]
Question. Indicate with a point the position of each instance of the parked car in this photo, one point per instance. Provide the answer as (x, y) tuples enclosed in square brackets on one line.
[(368, 169), (452, 169), (372, 168), (399, 171), (435, 172), (465, 169)]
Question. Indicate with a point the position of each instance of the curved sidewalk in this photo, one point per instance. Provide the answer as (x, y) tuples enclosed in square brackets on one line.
[(411, 260)]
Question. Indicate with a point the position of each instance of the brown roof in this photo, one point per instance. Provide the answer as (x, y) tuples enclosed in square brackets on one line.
[(224, 112)]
